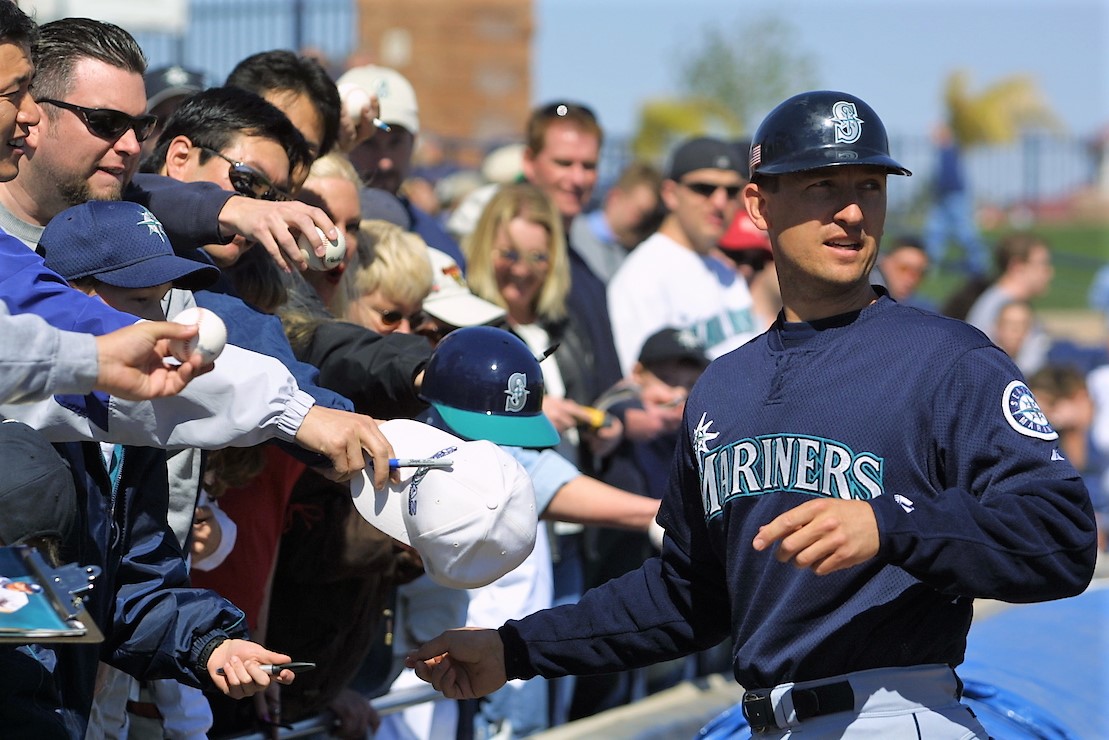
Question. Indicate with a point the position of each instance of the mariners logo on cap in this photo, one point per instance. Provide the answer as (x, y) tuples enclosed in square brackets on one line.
[(517, 392), (1024, 414), (849, 127), (149, 221)]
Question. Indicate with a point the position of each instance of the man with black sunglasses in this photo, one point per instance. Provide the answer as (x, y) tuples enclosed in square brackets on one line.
[(237, 140), (672, 278), (92, 100)]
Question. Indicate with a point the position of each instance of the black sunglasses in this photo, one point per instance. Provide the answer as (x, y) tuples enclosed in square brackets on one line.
[(391, 317), (248, 181), (107, 123), (564, 109), (708, 189)]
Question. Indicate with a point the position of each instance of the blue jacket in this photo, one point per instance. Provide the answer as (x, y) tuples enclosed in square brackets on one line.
[(154, 625)]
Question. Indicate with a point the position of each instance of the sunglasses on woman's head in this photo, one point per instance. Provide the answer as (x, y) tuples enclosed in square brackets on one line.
[(107, 123), (564, 109), (248, 181)]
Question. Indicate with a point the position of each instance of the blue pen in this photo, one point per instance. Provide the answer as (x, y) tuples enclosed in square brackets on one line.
[(416, 462)]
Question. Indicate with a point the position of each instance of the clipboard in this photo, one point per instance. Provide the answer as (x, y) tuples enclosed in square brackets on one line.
[(42, 604)]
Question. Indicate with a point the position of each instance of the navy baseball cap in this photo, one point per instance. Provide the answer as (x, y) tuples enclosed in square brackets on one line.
[(121, 244), (673, 345), (703, 153)]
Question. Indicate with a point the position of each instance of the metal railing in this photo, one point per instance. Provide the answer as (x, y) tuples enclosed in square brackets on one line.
[(394, 701)]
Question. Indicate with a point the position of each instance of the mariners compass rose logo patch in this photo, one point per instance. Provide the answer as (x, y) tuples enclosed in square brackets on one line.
[(1024, 414)]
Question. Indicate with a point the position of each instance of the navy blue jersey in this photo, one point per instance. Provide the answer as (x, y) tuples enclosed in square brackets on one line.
[(918, 414)]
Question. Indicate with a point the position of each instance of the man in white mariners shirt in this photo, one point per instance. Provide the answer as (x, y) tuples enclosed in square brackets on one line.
[(672, 278)]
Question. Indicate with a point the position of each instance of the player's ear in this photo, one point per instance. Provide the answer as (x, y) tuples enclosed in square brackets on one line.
[(754, 200), (177, 157)]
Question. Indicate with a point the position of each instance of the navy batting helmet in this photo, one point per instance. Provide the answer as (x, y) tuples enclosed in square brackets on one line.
[(484, 383), (819, 129)]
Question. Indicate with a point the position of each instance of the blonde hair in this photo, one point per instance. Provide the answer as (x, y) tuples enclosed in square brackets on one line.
[(391, 260), (526, 201), (335, 165)]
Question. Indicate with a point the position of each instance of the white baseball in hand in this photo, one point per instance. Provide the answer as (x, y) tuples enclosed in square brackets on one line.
[(210, 338), (355, 100), (334, 251)]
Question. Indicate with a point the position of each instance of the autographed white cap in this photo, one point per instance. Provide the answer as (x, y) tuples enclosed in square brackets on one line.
[(471, 522)]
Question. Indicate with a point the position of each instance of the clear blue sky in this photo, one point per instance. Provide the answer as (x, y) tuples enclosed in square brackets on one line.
[(896, 54)]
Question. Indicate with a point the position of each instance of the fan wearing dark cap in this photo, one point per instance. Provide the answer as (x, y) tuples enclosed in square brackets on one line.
[(36, 492), (845, 486), (674, 278), (119, 251)]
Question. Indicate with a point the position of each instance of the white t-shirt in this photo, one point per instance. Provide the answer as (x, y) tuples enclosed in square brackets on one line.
[(663, 284)]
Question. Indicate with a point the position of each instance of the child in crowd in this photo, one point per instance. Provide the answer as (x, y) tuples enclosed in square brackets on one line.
[(156, 626), (650, 402)]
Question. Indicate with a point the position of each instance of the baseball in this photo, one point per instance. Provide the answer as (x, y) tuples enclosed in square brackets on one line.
[(335, 251), (355, 99), (209, 340)]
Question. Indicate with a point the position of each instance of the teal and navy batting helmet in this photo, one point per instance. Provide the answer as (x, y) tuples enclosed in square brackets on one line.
[(484, 383)]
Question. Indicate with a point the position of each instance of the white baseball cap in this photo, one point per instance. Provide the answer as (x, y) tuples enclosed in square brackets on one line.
[(394, 94), (450, 299), (471, 523)]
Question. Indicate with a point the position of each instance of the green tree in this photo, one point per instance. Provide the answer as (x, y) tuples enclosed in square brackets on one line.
[(750, 68), (726, 80)]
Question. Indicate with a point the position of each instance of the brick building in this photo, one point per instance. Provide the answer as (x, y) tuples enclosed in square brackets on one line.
[(469, 61)]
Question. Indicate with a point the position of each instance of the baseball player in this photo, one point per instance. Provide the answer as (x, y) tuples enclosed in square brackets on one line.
[(840, 542)]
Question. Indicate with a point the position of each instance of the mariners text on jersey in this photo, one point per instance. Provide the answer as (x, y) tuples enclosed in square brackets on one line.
[(782, 462)]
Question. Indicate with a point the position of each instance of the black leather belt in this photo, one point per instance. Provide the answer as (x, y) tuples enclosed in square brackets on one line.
[(813, 701)]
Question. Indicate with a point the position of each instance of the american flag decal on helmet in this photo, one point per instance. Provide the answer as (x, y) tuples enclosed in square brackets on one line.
[(756, 156)]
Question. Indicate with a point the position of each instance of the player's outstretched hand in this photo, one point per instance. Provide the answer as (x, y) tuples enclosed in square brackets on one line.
[(241, 662), (823, 535), (464, 663), (276, 225), (130, 361), (342, 436)]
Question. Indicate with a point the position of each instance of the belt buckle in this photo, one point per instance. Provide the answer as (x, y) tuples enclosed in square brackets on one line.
[(759, 710)]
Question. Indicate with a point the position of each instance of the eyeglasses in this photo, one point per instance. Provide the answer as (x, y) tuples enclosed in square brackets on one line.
[(107, 123), (248, 181), (392, 317), (708, 189), (565, 109), (532, 259)]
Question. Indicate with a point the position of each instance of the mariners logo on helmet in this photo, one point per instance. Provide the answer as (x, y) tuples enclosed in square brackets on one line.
[(517, 392), (849, 127), (1024, 414), (820, 129), (484, 383)]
